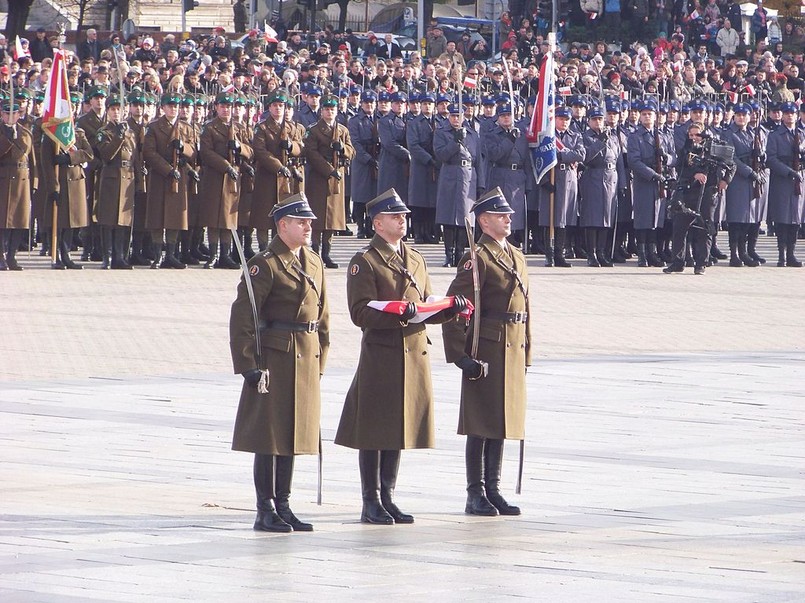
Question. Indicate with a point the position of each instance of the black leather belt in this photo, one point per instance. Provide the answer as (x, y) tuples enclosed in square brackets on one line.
[(509, 166), (610, 165), (301, 327), (125, 163), (513, 317), (466, 163)]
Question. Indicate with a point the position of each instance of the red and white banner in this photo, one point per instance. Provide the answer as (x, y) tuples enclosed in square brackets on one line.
[(19, 51), (424, 310), (470, 82)]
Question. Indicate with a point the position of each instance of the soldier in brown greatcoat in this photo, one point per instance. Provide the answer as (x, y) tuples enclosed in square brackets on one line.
[(18, 175), (117, 146), (91, 122), (65, 181), (138, 121), (493, 399), (278, 145), (289, 291), (187, 108), (329, 150), (38, 196), (389, 405), (224, 143), (167, 151), (243, 113)]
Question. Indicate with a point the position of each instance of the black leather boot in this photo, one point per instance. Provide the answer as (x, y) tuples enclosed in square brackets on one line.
[(14, 241), (267, 518), (325, 255), (781, 230), (224, 260), (752, 233), (550, 254), (560, 238), (477, 502), (284, 475), (64, 249), (493, 465), (735, 258), (742, 241), (106, 248), (389, 466), (591, 237), (171, 261), (790, 259), (119, 250), (449, 246), (373, 510), (601, 250), (214, 255), (156, 251)]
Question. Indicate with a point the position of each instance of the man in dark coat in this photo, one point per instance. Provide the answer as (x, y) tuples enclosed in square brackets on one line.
[(570, 152), (422, 184), (493, 388), (363, 133), (280, 419), (395, 158), (389, 406), (786, 150)]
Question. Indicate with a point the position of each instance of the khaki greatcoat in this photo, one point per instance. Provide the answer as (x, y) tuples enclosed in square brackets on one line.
[(18, 175), (268, 160), (118, 178), (285, 421), (69, 181), (164, 208), (326, 197), (219, 195), (493, 407), (389, 405)]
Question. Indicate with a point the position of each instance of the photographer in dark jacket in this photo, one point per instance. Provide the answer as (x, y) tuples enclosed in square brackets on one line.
[(702, 178)]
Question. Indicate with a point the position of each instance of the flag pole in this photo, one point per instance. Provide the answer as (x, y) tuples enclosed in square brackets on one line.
[(552, 206)]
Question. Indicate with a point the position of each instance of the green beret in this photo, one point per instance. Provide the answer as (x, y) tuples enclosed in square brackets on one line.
[(22, 94), (170, 98), (7, 107), (201, 100), (188, 100), (95, 91), (240, 99), (329, 101), (39, 96), (113, 101), (277, 97), (224, 98), (75, 97)]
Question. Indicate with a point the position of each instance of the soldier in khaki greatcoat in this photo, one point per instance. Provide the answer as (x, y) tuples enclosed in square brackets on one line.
[(168, 152), (224, 145), (278, 147), (329, 151), (18, 175), (389, 406), (91, 122), (138, 122), (289, 292), (187, 108), (117, 147), (493, 393)]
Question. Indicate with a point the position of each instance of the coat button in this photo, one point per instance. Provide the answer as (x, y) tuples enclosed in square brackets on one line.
[(406, 350), (508, 345), (299, 355)]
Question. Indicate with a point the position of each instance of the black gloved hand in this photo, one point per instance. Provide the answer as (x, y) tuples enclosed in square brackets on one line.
[(286, 145), (176, 175), (11, 131), (472, 368), (177, 145), (122, 128), (297, 175), (668, 181), (252, 377), (409, 312), (53, 197), (284, 172), (460, 134), (548, 187), (755, 177), (194, 175), (797, 176), (62, 159), (459, 305), (335, 174), (372, 164), (514, 134), (233, 145), (762, 158), (337, 146), (232, 173), (247, 169)]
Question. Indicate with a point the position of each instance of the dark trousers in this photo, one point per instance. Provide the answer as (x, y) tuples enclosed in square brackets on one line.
[(698, 231)]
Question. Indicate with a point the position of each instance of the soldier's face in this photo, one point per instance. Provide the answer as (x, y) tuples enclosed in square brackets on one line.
[(113, 113), (505, 120), (497, 226), (329, 113), (277, 111), (224, 111), (741, 119), (562, 123), (186, 112), (170, 111), (789, 119), (295, 232), (427, 108), (647, 119), (392, 227), (456, 119)]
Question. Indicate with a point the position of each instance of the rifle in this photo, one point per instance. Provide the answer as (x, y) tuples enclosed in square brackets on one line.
[(335, 187), (757, 164), (374, 145), (232, 157), (283, 160), (658, 167), (175, 159), (796, 164)]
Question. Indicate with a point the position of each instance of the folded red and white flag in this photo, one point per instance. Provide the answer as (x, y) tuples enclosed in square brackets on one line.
[(424, 310)]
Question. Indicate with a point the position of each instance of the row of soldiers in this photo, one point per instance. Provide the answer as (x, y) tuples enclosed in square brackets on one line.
[(161, 182)]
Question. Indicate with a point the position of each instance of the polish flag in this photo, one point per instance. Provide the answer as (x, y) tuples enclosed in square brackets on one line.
[(19, 51), (564, 90), (470, 82), (424, 310), (271, 34), (750, 89)]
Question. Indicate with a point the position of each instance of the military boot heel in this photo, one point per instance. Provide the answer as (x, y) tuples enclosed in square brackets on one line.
[(493, 466), (284, 473), (477, 502), (373, 510), (389, 467)]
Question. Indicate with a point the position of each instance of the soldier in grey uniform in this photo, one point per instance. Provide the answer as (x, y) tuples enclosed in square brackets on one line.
[(308, 113), (742, 203), (363, 133), (603, 176), (508, 158), (648, 164), (570, 152), (458, 150), (786, 151), (395, 158), (422, 184)]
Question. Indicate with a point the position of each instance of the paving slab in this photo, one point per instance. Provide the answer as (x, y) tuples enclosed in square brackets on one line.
[(664, 452)]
